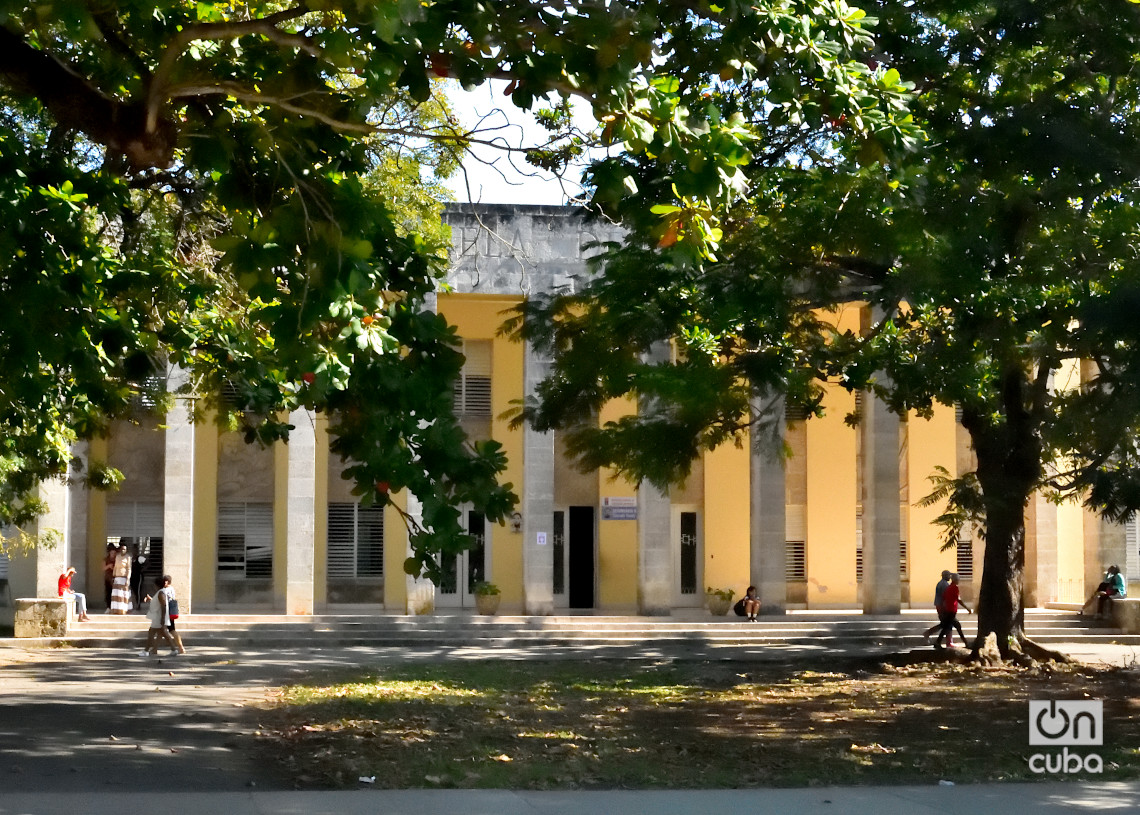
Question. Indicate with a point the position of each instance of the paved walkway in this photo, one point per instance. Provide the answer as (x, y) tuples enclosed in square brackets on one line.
[(97, 730), (1017, 799)]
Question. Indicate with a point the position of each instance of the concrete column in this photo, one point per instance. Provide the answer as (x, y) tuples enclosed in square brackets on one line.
[(301, 515), (768, 505), (178, 498), (1040, 552), (420, 591), (77, 521), (537, 505), (36, 573), (881, 584), (655, 580)]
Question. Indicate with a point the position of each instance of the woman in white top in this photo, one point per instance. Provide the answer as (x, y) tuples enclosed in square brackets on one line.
[(159, 619)]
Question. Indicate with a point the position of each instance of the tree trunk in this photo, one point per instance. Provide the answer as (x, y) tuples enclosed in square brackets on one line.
[(1000, 607), (1008, 449)]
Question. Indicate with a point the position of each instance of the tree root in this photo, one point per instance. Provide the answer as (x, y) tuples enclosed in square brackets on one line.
[(1021, 651), (1040, 653)]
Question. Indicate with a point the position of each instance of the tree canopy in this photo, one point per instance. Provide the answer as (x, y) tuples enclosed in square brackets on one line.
[(995, 260), (215, 186)]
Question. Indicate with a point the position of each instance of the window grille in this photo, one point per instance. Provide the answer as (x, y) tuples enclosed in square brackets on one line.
[(964, 555), (472, 393), (688, 553), (245, 541), (355, 541), (796, 568)]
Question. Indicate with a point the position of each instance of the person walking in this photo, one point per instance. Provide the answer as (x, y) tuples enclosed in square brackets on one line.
[(158, 616), (951, 599), (939, 588), (172, 614), (162, 616), (65, 591)]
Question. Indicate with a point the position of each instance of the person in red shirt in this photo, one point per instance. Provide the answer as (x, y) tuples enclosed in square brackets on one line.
[(951, 599), (65, 590)]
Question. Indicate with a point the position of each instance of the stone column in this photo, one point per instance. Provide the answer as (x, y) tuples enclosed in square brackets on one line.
[(537, 505), (655, 582), (881, 583), (178, 498), (420, 591), (301, 513), (36, 573), (768, 504), (1040, 552), (77, 544)]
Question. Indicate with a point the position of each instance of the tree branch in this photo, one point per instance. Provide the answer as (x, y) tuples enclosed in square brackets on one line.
[(76, 103), (265, 26)]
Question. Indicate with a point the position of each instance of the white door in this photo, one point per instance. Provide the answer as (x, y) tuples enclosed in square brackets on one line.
[(463, 571), (688, 557)]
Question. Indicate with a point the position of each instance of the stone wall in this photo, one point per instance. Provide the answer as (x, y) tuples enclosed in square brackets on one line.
[(44, 617), (1126, 614)]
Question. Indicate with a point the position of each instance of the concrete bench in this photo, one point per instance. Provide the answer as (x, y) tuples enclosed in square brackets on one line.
[(1125, 614), (44, 616)]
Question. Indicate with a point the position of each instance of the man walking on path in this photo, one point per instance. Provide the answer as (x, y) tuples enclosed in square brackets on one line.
[(939, 588), (951, 597)]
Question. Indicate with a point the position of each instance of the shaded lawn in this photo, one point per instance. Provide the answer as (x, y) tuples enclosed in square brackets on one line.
[(633, 724)]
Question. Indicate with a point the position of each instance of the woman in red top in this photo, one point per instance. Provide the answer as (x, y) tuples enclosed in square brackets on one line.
[(951, 598), (65, 590)]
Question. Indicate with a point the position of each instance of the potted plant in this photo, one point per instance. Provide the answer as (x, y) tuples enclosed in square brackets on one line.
[(487, 596), (719, 600)]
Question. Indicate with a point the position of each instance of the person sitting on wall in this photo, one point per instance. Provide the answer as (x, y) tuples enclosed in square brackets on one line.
[(66, 591), (1112, 587)]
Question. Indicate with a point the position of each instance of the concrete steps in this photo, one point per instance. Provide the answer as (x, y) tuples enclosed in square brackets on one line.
[(820, 629)]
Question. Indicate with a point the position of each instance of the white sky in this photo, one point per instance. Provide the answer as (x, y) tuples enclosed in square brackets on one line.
[(497, 177)]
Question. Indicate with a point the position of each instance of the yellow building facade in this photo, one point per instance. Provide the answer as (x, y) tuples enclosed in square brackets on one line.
[(835, 525)]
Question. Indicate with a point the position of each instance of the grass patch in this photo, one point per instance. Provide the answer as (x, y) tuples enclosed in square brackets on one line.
[(641, 725)]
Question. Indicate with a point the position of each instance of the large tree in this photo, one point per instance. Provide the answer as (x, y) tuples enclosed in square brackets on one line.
[(998, 256), (185, 183)]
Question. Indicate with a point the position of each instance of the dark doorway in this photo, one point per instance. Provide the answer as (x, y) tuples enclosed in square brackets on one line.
[(581, 557)]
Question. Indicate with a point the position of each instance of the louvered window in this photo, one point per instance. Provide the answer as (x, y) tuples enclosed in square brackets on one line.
[(796, 569), (245, 541), (140, 525), (472, 395), (1132, 556), (7, 533), (356, 541)]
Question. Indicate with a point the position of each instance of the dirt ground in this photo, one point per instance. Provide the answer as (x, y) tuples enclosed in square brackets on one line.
[(683, 724)]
